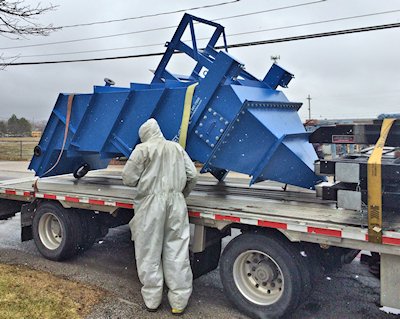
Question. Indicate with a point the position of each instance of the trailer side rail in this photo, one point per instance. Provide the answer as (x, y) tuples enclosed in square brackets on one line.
[(219, 218)]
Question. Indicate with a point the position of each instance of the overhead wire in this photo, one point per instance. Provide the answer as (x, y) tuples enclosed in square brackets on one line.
[(270, 10), (149, 15), (228, 35), (315, 35), (318, 22), (237, 45), (158, 28), (90, 38)]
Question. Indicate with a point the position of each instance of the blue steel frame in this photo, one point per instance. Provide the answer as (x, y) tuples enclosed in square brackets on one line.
[(229, 106)]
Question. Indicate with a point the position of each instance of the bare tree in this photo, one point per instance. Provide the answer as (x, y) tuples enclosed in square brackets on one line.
[(18, 19)]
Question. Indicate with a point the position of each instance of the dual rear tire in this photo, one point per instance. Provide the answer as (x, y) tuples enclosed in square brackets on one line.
[(264, 276), (61, 233)]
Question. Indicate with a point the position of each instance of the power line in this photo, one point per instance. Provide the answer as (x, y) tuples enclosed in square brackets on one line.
[(192, 9), (271, 10), (228, 35), (91, 38), (237, 45), (86, 60), (149, 15), (157, 29), (315, 35), (95, 50), (318, 22)]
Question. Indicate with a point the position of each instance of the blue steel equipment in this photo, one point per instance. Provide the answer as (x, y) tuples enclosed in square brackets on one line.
[(237, 122)]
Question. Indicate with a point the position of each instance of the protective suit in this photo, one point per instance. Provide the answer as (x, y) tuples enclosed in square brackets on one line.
[(164, 175)]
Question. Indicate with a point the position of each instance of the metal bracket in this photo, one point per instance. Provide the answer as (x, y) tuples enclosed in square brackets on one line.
[(211, 126)]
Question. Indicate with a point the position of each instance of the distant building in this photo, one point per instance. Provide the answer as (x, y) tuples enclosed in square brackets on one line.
[(36, 134)]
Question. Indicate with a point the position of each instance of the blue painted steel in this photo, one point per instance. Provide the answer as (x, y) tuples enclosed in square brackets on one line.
[(238, 122)]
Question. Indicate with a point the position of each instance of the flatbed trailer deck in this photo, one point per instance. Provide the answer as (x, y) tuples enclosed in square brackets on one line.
[(293, 218)]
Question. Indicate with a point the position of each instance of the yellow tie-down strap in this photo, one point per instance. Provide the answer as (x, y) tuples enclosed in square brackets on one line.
[(186, 114), (375, 185)]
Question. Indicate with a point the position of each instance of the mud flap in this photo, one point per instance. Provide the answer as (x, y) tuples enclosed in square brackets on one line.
[(27, 213), (207, 260)]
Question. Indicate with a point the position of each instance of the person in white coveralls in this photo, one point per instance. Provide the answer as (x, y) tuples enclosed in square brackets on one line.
[(164, 175)]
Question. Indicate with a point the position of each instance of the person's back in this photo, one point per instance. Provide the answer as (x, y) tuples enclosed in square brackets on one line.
[(164, 168), (163, 174)]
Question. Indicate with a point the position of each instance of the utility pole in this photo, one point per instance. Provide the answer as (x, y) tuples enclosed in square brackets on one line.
[(309, 106)]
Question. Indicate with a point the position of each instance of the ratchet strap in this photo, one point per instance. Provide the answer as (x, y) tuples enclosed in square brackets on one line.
[(67, 121), (186, 114), (375, 185)]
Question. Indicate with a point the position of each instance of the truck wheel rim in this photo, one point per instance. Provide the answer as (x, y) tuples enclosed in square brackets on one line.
[(258, 277), (50, 231)]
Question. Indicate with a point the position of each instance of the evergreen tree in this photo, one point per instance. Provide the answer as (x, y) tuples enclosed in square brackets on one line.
[(19, 127), (24, 127), (12, 125)]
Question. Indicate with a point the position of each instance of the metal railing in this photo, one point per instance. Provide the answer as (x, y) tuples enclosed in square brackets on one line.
[(14, 149)]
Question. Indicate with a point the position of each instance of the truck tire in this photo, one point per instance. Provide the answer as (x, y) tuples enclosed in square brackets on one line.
[(81, 171), (56, 231), (303, 261), (333, 258), (303, 264), (313, 262), (261, 276), (90, 229)]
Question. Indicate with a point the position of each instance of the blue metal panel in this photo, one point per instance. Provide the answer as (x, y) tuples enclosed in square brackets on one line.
[(138, 107), (99, 119), (277, 76), (237, 122)]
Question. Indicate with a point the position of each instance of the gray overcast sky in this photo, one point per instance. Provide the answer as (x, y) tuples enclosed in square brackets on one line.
[(347, 76)]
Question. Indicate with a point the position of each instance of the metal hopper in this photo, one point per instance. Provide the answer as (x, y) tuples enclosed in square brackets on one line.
[(237, 122)]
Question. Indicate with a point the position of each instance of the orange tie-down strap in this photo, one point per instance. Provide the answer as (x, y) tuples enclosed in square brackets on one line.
[(67, 121)]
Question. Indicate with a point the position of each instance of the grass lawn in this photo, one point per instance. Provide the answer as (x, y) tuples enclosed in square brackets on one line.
[(32, 294), (23, 139)]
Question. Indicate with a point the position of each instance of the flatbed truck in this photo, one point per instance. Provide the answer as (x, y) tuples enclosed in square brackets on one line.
[(287, 234)]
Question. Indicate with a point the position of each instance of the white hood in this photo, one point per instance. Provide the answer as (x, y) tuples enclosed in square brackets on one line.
[(149, 130)]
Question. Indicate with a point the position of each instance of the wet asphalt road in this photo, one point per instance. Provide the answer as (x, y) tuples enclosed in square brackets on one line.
[(348, 293)]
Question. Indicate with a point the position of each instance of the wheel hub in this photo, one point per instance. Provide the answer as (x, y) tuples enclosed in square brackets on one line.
[(55, 228), (258, 277), (50, 231), (264, 272)]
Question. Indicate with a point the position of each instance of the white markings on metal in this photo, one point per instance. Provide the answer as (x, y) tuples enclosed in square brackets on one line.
[(248, 221), (84, 200), (297, 227), (353, 234)]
